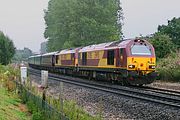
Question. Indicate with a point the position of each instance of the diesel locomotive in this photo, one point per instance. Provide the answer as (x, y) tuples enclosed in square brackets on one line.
[(130, 61)]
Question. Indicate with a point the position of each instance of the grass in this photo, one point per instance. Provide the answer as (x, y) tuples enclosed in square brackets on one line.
[(11, 107), (70, 108)]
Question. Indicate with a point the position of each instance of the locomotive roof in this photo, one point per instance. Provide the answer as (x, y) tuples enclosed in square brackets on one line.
[(66, 51), (51, 53), (106, 46), (102, 46)]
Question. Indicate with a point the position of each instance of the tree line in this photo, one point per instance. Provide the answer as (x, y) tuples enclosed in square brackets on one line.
[(7, 49), (167, 39), (75, 23), (167, 45), (22, 55)]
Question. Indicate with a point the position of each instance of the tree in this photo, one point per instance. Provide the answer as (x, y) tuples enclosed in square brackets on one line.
[(163, 45), (43, 47), (7, 49), (172, 30), (22, 55), (74, 23)]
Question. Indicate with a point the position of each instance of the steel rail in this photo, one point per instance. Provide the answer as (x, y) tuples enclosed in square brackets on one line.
[(162, 90), (119, 91)]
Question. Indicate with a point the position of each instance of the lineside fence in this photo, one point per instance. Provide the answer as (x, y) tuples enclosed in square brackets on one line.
[(48, 112)]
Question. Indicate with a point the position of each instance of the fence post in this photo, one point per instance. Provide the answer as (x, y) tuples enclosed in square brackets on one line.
[(44, 78), (23, 75), (61, 100), (44, 84)]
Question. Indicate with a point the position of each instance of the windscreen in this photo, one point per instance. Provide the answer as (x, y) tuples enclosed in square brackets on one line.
[(140, 50)]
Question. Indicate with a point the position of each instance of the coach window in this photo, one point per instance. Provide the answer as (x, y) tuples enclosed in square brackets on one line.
[(110, 57)]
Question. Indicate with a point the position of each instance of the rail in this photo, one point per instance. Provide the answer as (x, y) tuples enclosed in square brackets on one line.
[(169, 100)]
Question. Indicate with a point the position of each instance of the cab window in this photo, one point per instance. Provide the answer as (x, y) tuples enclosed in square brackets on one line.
[(140, 50)]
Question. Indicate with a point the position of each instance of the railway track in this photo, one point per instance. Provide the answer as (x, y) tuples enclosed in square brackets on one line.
[(161, 91), (155, 95)]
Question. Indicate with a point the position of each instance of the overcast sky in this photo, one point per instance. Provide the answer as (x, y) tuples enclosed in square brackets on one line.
[(144, 16), (22, 20)]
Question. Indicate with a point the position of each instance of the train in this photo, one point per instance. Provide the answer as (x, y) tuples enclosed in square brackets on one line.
[(128, 62)]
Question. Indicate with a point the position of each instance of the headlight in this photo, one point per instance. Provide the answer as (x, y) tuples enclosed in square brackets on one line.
[(131, 66), (152, 67)]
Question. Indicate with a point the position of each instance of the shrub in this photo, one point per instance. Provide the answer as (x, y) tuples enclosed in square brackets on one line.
[(163, 45), (7, 75), (37, 116), (169, 68)]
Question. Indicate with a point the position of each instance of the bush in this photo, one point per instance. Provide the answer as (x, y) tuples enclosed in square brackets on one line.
[(163, 45), (37, 116), (7, 75), (169, 68)]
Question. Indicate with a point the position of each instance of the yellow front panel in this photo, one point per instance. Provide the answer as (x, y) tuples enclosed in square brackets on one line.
[(141, 63)]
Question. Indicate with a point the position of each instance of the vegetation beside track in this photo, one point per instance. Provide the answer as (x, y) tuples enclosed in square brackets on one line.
[(13, 99), (166, 42), (169, 68), (11, 107), (70, 108)]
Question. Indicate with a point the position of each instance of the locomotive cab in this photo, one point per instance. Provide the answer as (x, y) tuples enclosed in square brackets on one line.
[(141, 62)]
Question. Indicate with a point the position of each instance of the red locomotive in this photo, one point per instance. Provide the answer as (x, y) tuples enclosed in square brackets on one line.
[(130, 61)]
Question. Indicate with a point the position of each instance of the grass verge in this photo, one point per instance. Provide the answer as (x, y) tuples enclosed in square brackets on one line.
[(11, 107)]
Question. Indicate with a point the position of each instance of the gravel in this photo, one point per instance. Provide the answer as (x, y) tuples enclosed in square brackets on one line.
[(166, 85), (112, 107)]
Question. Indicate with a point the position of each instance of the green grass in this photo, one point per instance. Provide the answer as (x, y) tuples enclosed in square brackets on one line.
[(72, 110), (11, 107)]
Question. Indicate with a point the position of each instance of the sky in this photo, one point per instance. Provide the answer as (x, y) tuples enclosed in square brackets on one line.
[(23, 20), (142, 17)]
